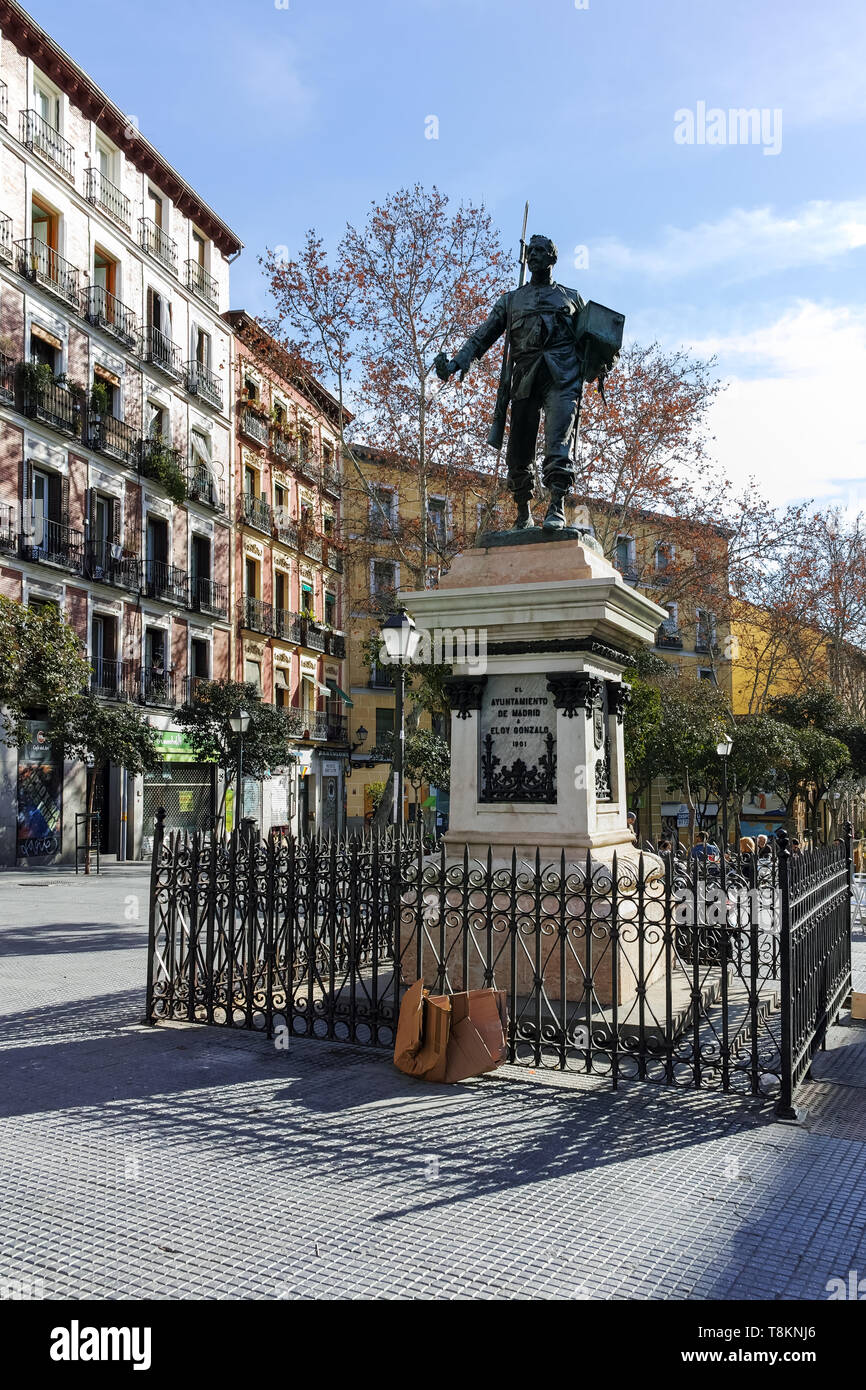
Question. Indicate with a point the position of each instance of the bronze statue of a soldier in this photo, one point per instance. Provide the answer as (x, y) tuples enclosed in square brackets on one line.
[(554, 342)]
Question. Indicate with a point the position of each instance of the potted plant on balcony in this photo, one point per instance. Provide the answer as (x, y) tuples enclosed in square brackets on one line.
[(160, 463)]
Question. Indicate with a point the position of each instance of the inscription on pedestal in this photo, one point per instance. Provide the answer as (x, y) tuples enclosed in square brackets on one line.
[(517, 757)]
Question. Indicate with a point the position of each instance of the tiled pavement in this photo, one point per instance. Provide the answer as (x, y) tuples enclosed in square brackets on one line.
[(193, 1162)]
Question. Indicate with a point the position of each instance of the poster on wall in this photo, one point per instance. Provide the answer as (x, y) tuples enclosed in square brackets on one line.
[(40, 777)]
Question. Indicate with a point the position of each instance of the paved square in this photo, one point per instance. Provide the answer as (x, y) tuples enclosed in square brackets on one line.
[(182, 1161)]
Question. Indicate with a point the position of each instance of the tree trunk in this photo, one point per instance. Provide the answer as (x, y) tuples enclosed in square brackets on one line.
[(382, 815)]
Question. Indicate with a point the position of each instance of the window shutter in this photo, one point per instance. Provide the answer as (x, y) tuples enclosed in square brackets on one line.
[(115, 521), (64, 500), (26, 487)]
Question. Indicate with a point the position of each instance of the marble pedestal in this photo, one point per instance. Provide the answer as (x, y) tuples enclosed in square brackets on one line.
[(540, 629)]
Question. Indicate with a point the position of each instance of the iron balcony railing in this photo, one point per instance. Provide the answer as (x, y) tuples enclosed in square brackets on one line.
[(209, 596), (287, 625), (201, 381), (166, 581), (321, 725), (308, 462), (283, 446), (705, 643), (257, 512), (191, 686), (54, 405), (311, 545), (4, 103), (335, 645), (162, 353), (43, 265), (202, 284), (105, 562), (155, 686), (104, 194), (6, 253), (669, 637), (331, 477), (40, 137), (157, 243), (254, 425), (7, 379), (154, 456), (8, 529), (102, 308), (312, 636), (112, 437), (255, 615), (287, 528), (109, 678), (201, 486), (334, 558), (53, 543)]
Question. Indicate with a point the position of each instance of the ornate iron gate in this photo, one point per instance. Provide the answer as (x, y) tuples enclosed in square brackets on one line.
[(674, 971)]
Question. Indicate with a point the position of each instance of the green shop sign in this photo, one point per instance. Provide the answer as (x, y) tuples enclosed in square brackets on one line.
[(172, 746)]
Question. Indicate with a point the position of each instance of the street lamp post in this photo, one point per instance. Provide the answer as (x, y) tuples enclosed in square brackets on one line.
[(401, 638), (723, 748), (240, 722)]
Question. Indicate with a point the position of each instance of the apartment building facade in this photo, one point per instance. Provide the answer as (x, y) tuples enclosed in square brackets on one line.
[(288, 563), (115, 431)]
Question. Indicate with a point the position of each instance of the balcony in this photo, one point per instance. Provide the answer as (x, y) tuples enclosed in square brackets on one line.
[(8, 530), (337, 727), (191, 686), (201, 486), (308, 462), (157, 460), (287, 528), (334, 558), (167, 582), (323, 726), (255, 615), (114, 438), (102, 309), (53, 543), (311, 544), (7, 379), (254, 425), (155, 686), (287, 625), (53, 404), (6, 251), (335, 645), (105, 195), (209, 596), (669, 638), (162, 353), (283, 446), (4, 104), (40, 137), (157, 243), (312, 636), (202, 284), (105, 562), (42, 265), (257, 512), (331, 478), (109, 679), (201, 382)]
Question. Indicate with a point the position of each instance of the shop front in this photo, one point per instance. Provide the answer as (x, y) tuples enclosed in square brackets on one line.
[(184, 787)]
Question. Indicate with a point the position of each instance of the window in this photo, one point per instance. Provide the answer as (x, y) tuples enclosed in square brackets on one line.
[(384, 726), (105, 161), (201, 346), (305, 444), (199, 247), (706, 673), (330, 608), (328, 456), (200, 458), (281, 591), (383, 509), (672, 622), (156, 553), (625, 552), (251, 578), (104, 271), (103, 652), (282, 689), (199, 658), (154, 206), (328, 524), (47, 102), (384, 577), (307, 598), (251, 481), (42, 348), (45, 225), (155, 648), (437, 510), (664, 555), (253, 673), (251, 387), (199, 563), (105, 394), (157, 421), (705, 630), (279, 414)]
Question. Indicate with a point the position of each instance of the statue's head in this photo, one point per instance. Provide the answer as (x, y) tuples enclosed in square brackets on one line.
[(541, 253)]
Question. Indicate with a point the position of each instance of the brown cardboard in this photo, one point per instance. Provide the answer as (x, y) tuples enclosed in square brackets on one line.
[(422, 1033), (477, 1041), (858, 1006)]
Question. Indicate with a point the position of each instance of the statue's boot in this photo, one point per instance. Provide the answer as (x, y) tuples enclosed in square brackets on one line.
[(555, 519), (524, 516)]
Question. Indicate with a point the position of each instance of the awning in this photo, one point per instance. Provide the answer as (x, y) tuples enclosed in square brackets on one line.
[(103, 374), (322, 689), (343, 696), (37, 331), (281, 678)]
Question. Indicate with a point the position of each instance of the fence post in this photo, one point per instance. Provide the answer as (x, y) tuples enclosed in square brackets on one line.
[(785, 1108), (159, 831)]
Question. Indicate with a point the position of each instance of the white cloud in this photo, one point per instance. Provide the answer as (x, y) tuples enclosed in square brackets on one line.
[(744, 243), (792, 413)]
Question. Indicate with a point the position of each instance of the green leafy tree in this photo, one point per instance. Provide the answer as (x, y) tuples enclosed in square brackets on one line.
[(206, 722), (426, 759), (92, 730), (44, 667)]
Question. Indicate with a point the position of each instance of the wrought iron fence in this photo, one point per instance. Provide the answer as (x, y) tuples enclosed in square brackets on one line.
[(669, 971)]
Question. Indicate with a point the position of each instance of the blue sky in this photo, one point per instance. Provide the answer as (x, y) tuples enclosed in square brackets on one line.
[(286, 118)]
